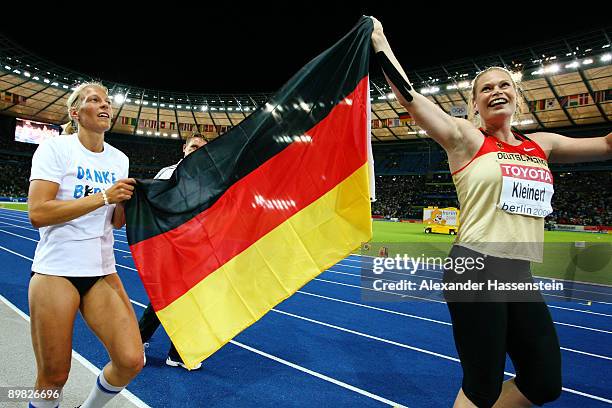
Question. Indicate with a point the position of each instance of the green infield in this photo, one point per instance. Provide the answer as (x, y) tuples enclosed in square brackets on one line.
[(15, 206), (577, 256)]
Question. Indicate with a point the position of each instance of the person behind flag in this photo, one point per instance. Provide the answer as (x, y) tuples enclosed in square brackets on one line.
[(78, 185), (149, 322), (502, 224)]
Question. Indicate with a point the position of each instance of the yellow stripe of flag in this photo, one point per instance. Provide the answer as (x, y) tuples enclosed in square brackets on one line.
[(242, 290)]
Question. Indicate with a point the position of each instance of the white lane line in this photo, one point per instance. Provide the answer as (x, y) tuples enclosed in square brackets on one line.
[(86, 363), (408, 275), (431, 300), (394, 273), (420, 350), (374, 308), (426, 319), (15, 253), (603, 285), (330, 270), (584, 327), (139, 304), (580, 311), (368, 336), (586, 354), (379, 291), (436, 271), (35, 229), (92, 368), (318, 375), (17, 226), (436, 321), (562, 348), (16, 235), (122, 231), (35, 240), (322, 280), (371, 337), (306, 370)]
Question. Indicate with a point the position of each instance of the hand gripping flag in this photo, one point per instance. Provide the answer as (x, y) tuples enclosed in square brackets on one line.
[(255, 214)]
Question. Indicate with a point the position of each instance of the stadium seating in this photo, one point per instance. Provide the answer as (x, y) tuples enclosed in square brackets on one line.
[(409, 177)]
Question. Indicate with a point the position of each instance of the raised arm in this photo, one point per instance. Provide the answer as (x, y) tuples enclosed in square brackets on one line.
[(562, 149), (449, 132), (44, 209)]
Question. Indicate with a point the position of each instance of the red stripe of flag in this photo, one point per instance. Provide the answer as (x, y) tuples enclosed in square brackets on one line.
[(258, 203)]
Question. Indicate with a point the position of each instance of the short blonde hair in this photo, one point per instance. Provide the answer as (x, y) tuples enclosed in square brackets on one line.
[(514, 78), (74, 102), (195, 135)]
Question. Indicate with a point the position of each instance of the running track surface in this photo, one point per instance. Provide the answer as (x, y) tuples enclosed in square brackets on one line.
[(324, 345)]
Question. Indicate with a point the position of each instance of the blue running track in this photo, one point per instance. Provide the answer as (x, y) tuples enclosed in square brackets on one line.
[(325, 346)]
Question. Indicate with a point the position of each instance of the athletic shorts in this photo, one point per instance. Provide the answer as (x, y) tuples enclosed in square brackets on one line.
[(487, 326)]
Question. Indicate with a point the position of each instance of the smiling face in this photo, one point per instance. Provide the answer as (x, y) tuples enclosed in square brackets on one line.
[(94, 112), (494, 96)]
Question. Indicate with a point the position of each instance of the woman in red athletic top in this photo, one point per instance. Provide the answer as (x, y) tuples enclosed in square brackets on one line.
[(504, 187)]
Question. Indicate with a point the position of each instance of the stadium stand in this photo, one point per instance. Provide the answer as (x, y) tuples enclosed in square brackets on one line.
[(146, 155), (409, 177), (574, 99)]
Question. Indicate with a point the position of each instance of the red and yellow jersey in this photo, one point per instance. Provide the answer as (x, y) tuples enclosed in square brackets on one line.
[(505, 192)]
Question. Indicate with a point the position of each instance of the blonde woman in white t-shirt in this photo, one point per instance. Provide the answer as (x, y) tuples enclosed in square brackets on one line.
[(77, 188)]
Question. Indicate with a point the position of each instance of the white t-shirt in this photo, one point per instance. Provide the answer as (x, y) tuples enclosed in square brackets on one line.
[(83, 246), (166, 172)]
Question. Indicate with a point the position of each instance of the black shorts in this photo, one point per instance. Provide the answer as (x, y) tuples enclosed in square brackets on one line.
[(486, 327), (81, 283)]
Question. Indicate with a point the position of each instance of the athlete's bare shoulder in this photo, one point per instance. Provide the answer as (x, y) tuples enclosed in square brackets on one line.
[(470, 139)]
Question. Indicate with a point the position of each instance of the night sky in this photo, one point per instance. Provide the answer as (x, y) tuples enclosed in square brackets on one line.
[(240, 49)]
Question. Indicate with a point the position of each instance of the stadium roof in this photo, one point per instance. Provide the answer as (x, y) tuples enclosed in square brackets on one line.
[(566, 82)]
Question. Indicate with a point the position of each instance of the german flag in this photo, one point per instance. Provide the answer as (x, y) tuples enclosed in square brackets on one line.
[(254, 215)]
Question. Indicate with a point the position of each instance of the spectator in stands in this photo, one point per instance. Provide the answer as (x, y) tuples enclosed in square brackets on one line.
[(595, 208)]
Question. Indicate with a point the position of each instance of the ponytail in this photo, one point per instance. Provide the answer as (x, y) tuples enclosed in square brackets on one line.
[(69, 128)]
